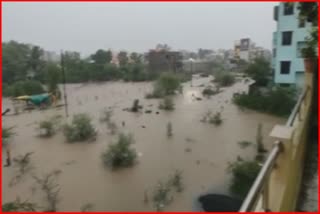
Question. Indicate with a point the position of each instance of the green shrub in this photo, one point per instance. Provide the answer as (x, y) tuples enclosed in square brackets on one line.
[(155, 94), (7, 134), (224, 78), (163, 194), (208, 91), (243, 175), (49, 127), (81, 129), (216, 119), (19, 206), (176, 181), (167, 104), (120, 154), (106, 116), (279, 101), (20, 88), (46, 128), (166, 84)]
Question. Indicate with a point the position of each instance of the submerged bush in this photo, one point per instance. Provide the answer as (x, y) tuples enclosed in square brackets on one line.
[(243, 175), (19, 206), (209, 91), (29, 87), (163, 193), (167, 84), (120, 154), (7, 134), (106, 116), (46, 128), (216, 119), (49, 127), (169, 129), (167, 104), (224, 78), (279, 101), (81, 129)]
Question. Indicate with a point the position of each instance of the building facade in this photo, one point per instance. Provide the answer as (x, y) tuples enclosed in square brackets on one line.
[(163, 60), (288, 40), (245, 49)]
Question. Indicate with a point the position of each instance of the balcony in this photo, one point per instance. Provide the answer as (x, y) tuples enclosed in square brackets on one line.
[(278, 186)]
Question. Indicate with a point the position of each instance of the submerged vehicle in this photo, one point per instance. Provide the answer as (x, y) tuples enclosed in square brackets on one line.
[(40, 100)]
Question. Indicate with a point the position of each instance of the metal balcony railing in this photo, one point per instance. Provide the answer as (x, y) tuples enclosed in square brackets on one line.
[(258, 197)]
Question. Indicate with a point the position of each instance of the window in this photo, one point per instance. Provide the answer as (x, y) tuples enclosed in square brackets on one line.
[(288, 9), (301, 22), (300, 46), (285, 85), (285, 67), (286, 38), (275, 13), (274, 52)]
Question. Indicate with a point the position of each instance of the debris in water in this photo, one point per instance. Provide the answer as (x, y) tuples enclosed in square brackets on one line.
[(69, 162), (148, 111), (146, 198), (190, 140), (188, 150)]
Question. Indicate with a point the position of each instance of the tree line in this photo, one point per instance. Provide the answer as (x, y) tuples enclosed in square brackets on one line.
[(22, 62)]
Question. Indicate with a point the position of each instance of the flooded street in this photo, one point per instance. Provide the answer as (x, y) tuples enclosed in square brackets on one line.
[(84, 179)]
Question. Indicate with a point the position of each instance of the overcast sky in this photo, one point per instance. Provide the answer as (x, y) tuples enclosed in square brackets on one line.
[(86, 27)]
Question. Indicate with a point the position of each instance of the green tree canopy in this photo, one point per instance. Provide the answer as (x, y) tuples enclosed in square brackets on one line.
[(259, 70), (102, 57), (123, 58), (15, 58), (136, 58), (168, 83)]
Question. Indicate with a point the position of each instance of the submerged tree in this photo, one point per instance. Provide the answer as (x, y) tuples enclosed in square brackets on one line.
[(120, 154), (19, 206), (169, 129), (50, 188), (81, 129)]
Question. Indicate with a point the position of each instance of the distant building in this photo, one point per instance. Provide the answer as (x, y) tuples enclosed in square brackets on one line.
[(164, 60), (288, 40), (245, 49)]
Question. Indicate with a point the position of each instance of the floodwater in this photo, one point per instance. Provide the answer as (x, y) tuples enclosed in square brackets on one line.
[(84, 179)]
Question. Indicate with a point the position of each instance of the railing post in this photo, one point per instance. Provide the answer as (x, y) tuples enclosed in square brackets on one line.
[(265, 203), (280, 176)]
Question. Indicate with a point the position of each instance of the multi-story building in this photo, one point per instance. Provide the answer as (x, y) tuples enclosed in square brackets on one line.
[(245, 49), (288, 40), (164, 60)]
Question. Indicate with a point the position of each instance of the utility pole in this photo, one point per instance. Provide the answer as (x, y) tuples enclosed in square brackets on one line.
[(64, 85)]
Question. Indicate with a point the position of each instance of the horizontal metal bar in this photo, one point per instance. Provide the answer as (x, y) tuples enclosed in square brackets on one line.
[(296, 108), (264, 173)]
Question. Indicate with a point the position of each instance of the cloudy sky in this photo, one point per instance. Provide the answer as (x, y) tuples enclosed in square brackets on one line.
[(86, 27)]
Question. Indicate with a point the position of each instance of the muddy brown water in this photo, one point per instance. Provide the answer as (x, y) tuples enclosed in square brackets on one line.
[(84, 178)]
